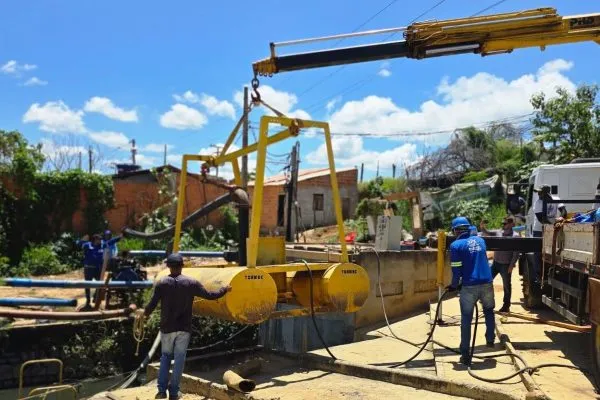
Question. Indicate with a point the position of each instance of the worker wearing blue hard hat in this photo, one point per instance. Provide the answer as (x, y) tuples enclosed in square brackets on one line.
[(472, 276)]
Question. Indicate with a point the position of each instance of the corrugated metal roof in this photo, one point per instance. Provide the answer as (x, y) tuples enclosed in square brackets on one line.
[(303, 175)]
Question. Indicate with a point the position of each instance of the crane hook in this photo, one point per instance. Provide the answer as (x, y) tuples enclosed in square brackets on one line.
[(256, 95)]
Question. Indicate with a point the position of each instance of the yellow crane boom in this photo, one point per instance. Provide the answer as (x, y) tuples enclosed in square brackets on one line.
[(485, 35)]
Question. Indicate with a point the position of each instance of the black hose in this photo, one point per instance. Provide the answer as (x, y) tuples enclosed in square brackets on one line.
[(422, 345), (221, 341), (312, 310), (189, 220), (526, 368)]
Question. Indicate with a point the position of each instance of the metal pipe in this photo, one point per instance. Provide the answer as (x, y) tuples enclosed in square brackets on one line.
[(234, 380), (185, 253), (67, 316), (75, 284), (33, 301), (341, 36)]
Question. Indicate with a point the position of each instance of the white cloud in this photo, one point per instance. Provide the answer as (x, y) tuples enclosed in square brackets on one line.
[(174, 158), (146, 161), (157, 148), (280, 100), (332, 103), (12, 67), (50, 148), (35, 81), (222, 108), (56, 117), (349, 152), (110, 139), (182, 117), (384, 70), (187, 97), (466, 101), (212, 105), (105, 106)]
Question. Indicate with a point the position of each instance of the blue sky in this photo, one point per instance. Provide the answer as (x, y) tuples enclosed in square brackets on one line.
[(76, 73)]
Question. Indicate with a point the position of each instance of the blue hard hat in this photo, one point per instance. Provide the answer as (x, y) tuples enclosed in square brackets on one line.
[(107, 232), (174, 259), (460, 222)]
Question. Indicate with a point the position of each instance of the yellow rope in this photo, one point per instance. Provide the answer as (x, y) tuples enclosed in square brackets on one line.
[(139, 331)]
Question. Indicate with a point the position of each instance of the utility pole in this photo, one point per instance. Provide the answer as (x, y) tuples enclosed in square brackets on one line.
[(290, 191), (90, 159), (165, 156), (79, 164), (377, 176), (245, 140), (394, 171), (133, 151), (362, 169), (216, 154)]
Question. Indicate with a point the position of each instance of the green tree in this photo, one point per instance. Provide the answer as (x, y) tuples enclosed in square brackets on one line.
[(568, 126)]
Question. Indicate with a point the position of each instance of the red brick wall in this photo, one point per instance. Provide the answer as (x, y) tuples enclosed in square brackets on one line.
[(133, 200)]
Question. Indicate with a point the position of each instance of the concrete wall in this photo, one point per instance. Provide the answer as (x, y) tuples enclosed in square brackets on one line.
[(408, 280)]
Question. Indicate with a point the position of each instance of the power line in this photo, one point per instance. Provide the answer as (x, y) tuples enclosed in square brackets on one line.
[(513, 119), (436, 5), (488, 8)]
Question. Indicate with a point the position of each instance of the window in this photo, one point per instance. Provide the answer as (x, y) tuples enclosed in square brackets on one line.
[(318, 202), (554, 189)]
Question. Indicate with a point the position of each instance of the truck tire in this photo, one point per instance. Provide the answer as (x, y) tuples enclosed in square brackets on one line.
[(595, 347), (532, 293)]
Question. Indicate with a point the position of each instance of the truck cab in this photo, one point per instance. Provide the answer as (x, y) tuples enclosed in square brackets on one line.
[(575, 181)]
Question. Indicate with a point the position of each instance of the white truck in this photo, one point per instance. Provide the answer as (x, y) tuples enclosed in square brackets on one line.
[(569, 279)]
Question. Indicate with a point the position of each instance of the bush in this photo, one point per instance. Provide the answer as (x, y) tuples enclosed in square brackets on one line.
[(41, 260), (369, 207), (67, 251), (474, 176)]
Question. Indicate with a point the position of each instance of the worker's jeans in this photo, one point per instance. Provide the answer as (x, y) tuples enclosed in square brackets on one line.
[(173, 346), (90, 272), (469, 295), (502, 269)]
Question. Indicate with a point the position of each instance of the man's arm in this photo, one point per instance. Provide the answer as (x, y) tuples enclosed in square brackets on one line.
[(456, 264), (199, 290), (114, 240), (153, 301)]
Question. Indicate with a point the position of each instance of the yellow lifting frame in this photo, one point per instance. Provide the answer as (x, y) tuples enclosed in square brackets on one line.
[(292, 126)]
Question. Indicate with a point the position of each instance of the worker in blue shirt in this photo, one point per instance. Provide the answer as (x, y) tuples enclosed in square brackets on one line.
[(111, 242), (93, 256), (472, 275)]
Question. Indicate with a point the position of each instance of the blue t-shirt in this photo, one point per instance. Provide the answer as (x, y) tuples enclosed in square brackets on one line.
[(468, 260), (93, 255)]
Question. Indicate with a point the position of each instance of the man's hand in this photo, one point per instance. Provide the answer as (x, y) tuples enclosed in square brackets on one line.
[(482, 225), (228, 288), (451, 289)]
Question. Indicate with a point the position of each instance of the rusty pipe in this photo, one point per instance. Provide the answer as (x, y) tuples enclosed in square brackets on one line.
[(234, 380), (67, 316)]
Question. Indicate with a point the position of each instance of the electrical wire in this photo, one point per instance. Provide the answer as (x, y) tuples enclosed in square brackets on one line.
[(238, 332), (312, 310), (488, 8)]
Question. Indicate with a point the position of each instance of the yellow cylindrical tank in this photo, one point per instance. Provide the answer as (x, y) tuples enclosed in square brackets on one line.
[(343, 287), (252, 299)]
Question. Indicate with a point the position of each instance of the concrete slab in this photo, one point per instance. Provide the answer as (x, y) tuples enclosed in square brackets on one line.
[(540, 343), (448, 364), (283, 378)]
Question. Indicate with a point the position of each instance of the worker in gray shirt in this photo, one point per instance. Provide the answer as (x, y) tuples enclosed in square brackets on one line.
[(176, 294), (504, 261)]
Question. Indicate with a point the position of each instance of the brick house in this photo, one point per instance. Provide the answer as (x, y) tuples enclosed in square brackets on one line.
[(315, 199), (136, 193)]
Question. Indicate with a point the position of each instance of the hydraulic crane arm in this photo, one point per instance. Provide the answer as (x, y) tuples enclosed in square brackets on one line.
[(485, 35)]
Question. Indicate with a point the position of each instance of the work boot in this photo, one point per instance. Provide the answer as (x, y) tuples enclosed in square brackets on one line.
[(160, 395), (175, 397), (490, 344), (505, 308), (465, 360)]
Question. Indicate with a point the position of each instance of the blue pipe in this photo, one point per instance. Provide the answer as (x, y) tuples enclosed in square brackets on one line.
[(75, 284), (185, 253), (33, 301)]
